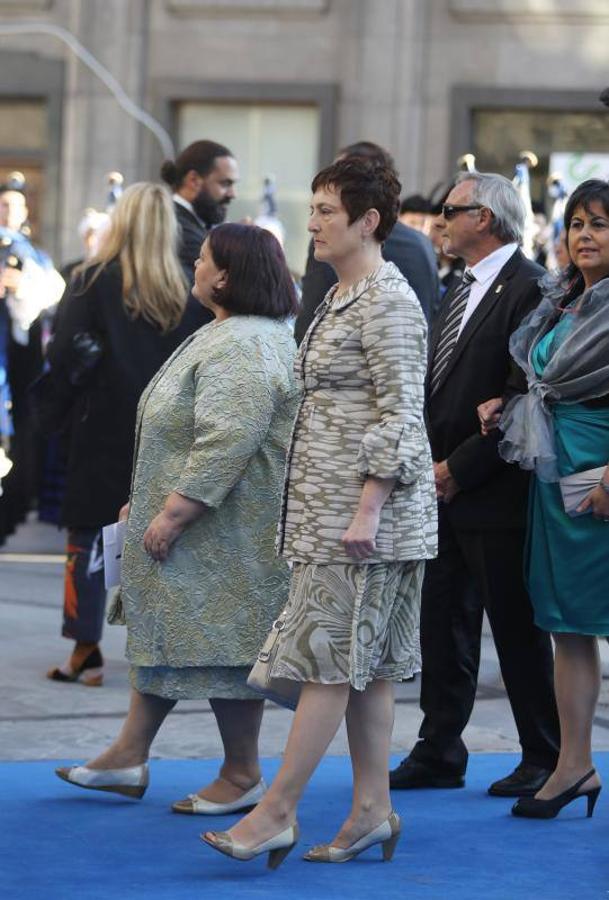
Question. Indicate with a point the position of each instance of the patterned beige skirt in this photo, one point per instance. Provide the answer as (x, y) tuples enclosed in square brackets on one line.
[(352, 623)]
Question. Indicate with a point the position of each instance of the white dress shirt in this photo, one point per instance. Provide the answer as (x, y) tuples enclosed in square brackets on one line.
[(485, 273)]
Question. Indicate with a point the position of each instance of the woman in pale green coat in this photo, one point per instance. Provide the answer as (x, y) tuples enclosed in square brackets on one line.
[(201, 583)]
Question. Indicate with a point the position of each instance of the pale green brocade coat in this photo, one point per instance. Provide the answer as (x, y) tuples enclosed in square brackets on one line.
[(214, 425)]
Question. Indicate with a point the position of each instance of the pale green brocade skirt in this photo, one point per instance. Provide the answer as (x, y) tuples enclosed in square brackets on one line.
[(193, 682)]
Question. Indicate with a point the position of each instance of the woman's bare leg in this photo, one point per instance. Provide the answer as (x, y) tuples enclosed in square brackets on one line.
[(239, 725), (320, 711), (577, 681), (147, 712), (369, 727)]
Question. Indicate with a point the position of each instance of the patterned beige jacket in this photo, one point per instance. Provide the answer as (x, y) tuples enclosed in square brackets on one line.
[(362, 368)]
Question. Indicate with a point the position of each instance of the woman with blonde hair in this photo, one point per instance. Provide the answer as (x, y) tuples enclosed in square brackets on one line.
[(124, 313)]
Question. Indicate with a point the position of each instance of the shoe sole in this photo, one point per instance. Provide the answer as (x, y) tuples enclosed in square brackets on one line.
[(60, 678), (192, 812)]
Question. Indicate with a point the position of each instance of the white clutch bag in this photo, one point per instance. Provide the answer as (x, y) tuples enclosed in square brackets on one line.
[(575, 488)]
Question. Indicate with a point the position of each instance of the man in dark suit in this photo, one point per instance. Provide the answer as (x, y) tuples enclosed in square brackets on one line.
[(482, 505), (203, 180), (410, 250)]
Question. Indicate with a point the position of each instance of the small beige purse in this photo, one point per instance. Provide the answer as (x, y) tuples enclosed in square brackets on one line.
[(116, 611), (283, 691)]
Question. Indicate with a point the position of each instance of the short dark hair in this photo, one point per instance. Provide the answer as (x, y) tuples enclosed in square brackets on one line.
[(415, 203), (369, 150), (594, 190), (259, 282), (364, 184), (200, 156)]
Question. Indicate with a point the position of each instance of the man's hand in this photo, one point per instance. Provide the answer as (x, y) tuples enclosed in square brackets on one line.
[(123, 513), (446, 486), (489, 414)]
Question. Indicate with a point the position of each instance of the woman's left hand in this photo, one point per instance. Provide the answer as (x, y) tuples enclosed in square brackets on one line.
[(597, 502), (160, 535), (359, 538)]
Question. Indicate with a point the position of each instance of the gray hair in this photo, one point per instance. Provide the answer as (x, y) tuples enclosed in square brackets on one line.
[(500, 196)]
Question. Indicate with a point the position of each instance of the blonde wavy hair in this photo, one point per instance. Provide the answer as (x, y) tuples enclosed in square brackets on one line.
[(143, 237)]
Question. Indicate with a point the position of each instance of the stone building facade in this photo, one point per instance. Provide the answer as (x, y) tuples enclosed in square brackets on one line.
[(286, 82)]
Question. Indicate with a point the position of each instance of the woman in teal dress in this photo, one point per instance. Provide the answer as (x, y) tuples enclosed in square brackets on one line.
[(561, 427), (567, 555)]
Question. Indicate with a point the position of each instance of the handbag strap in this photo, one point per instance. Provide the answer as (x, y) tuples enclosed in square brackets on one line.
[(277, 627)]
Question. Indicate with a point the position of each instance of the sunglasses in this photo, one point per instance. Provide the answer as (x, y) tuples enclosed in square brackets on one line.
[(449, 211)]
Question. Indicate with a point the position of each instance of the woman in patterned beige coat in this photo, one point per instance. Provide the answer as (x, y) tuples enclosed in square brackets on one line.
[(358, 520), (201, 583)]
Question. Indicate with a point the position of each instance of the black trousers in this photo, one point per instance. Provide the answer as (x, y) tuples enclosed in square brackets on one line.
[(477, 571)]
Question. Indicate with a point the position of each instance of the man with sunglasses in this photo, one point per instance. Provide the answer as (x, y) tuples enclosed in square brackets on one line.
[(482, 504)]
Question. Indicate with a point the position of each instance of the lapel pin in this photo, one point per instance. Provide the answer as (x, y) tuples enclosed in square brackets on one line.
[(499, 288)]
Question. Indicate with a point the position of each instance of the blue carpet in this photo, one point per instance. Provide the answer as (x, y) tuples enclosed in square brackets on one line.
[(60, 843)]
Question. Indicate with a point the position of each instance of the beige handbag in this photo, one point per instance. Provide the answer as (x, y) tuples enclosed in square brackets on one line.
[(283, 691), (116, 611)]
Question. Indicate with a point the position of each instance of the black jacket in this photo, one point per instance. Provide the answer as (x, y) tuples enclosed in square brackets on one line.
[(411, 252), (192, 235), (102, 411), (493, 493)]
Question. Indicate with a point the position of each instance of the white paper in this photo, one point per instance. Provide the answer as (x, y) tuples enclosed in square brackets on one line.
[(114, 540)]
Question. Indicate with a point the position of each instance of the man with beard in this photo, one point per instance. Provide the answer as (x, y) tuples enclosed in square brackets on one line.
[(203, 179)]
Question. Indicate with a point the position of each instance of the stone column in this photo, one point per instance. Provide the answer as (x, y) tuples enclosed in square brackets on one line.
[(382, 78), (99, 136)]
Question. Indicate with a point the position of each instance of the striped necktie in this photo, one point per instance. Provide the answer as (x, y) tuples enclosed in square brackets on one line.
[(450, 330)]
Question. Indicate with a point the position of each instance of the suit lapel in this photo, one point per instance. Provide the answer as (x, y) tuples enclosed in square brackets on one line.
[(495, 293)]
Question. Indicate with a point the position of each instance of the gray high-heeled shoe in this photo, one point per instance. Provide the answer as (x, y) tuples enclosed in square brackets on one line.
[(277, 847), (387, 834)]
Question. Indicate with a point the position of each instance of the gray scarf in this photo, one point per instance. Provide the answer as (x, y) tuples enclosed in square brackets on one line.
[(578, 370)]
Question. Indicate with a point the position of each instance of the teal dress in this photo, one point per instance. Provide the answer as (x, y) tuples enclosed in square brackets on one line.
[(567, 559)]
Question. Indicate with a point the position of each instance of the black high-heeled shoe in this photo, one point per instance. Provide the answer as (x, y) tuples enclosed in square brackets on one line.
[(532, 808)]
